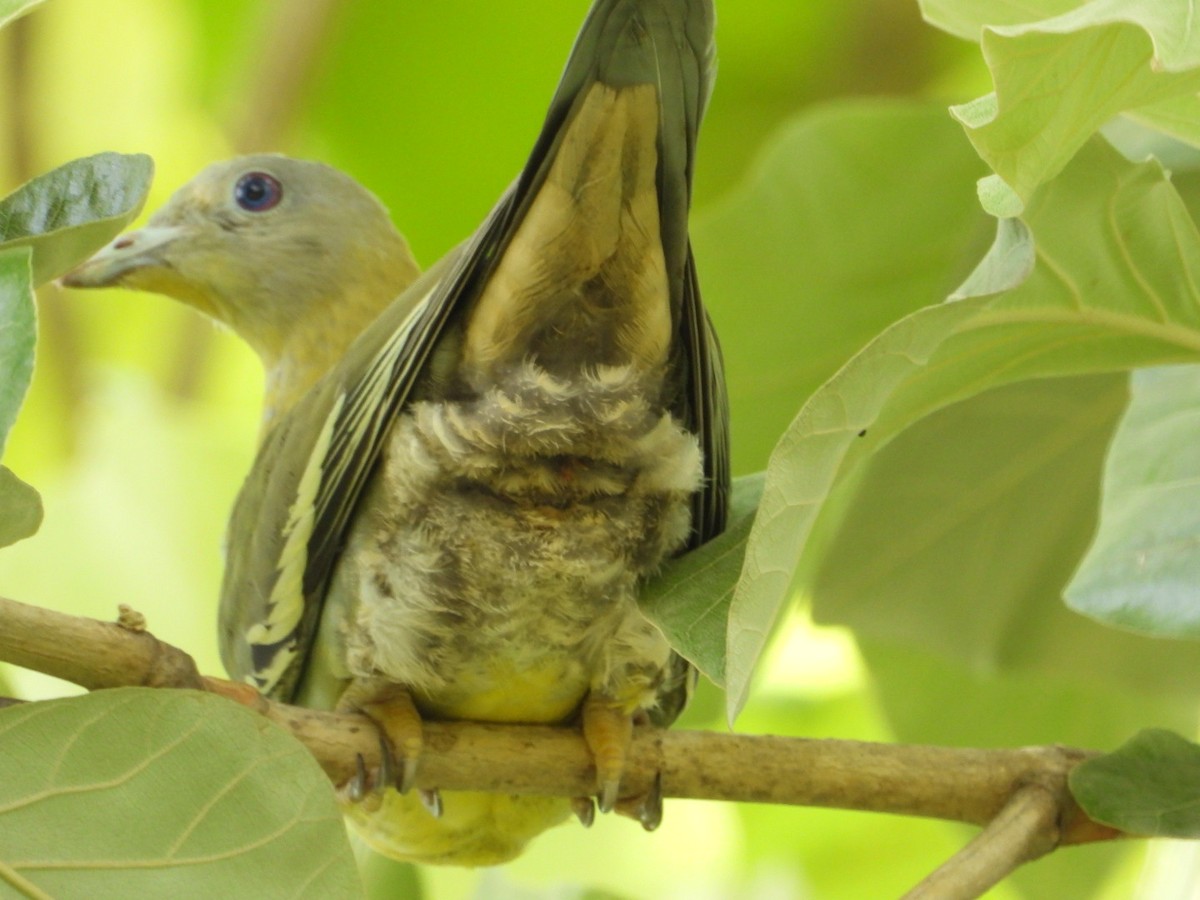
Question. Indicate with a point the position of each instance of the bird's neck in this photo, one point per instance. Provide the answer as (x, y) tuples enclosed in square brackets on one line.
[(316, 343)]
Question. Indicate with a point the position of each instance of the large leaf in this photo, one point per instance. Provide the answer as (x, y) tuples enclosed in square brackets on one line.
[(689, 599), (1143, 570), (1149, 786), (150, 793), (963, 531), (973, 519), (835, 234), (1177, 116), (20, 508), (18, 334), (69, 213), (1060, 77), (1118, 257), (855, 215), (968, 18)]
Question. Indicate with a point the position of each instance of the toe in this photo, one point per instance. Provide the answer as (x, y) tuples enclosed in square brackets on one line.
[(648, 808), (402, 734), (432, 801), (355, 789), (584, 809), (608, 731)]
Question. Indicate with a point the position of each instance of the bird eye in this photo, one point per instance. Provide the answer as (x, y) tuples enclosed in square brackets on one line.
[(257, 192)]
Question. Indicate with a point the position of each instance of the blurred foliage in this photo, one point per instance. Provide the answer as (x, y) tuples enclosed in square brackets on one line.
[(20, 508), (141, 419)]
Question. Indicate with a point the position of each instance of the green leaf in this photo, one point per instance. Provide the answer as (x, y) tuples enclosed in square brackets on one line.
[(1148, 786), (14, 9), (998, 199), (967, 18), (20, 508), (1178, 117), (18, 334), (962, 532), (1113, 288), (1138, 141), (855, 215), (689, 599), (1143, 569), (69, 213), (964, 529), (1059, 79), (1008, 263), (152, 793)]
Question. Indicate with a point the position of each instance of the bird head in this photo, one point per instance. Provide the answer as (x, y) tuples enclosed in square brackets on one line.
[(295, 256)]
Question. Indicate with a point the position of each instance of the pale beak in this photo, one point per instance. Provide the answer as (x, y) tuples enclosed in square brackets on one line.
[(128, 253)]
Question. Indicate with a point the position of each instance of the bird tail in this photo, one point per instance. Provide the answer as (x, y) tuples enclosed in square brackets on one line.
[(592, 262), (667, 43)]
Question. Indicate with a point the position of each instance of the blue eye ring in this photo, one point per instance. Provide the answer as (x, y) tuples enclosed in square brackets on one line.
[(258, 192)]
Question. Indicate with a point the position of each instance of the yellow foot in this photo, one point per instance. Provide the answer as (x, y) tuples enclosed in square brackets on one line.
[(608, 731), (402, 740)]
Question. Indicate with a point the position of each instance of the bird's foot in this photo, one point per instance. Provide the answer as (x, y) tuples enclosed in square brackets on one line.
[(584, 809), (401, 738), (608, 731), (646, 808)]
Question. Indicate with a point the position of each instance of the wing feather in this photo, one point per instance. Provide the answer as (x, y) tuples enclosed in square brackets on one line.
[(313, 467)]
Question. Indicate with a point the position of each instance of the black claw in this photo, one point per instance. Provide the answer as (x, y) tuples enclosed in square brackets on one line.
[(607, 801), (432, 801), (651, 812), (356, 787), (386, 762), (584, 809), (408, 775)]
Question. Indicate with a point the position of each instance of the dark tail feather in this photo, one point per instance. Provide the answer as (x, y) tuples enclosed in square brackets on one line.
[(668, 43)]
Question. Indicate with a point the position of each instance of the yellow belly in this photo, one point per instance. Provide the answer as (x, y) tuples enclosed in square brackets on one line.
[(474, 829), (500, 691), (478, 829)]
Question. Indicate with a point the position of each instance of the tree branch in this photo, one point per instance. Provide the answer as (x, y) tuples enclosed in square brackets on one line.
[(1026, 828), (1020, 795), (90, 653), (961, 785)]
